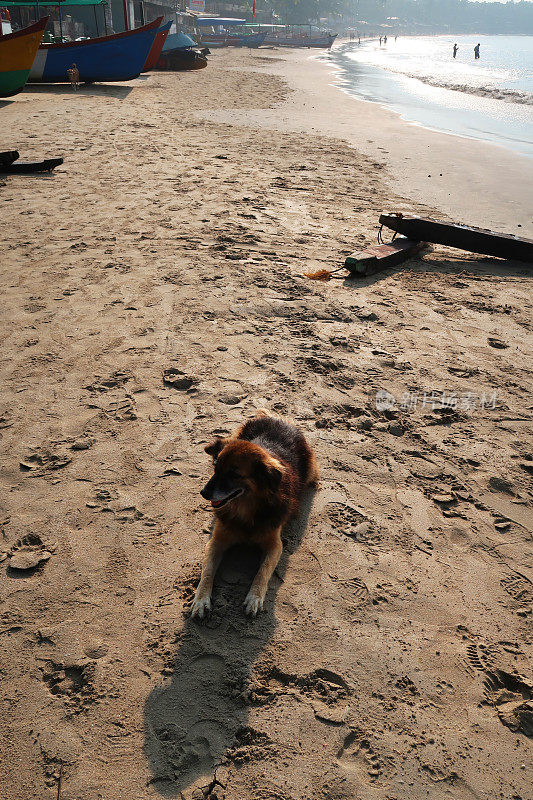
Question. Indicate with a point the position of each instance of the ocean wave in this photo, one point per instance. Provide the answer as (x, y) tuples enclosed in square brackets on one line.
[(507, 95)]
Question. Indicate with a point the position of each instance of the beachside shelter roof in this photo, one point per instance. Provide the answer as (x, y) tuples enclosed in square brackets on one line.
[(21, 3)]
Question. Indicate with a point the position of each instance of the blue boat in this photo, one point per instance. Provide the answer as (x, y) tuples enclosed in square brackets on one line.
[(252, 40), (119, 57)]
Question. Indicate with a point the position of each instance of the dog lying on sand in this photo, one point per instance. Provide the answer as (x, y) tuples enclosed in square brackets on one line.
[(260, 474)]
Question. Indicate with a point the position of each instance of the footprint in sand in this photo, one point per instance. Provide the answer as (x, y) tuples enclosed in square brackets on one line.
[(357, 756), (520, 589)]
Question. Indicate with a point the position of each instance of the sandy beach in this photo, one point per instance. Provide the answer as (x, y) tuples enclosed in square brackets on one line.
[(393, 658)]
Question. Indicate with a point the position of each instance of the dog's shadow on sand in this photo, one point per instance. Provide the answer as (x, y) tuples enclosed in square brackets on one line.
[(84, 90), (194, 719)]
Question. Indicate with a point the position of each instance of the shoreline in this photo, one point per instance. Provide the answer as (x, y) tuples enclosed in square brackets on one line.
[(442, 171), (488, 93), (474, 114), (507, 95)]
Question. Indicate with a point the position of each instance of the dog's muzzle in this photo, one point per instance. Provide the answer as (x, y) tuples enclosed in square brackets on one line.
[(218, 497)]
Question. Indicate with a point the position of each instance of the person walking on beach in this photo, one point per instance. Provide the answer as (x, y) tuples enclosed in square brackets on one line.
[(380, 41), (385, 39), (476, 50), (455, 49)]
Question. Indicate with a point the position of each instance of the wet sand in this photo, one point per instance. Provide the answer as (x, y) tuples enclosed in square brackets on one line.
[(392, 657), (469, 181)]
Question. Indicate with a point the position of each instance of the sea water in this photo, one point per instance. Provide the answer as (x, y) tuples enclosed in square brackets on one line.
[(490, 98)]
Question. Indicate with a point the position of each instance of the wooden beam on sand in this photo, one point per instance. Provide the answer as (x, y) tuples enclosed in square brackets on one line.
[(381, 256), (475, 240)]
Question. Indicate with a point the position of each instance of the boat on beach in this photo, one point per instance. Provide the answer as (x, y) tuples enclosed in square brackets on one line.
[(301, 40), (181, 52), (157, 47), (221, 33), (295, 35), (119, 57), (181, 59), (178, 41), (17, 54), (251, 40)]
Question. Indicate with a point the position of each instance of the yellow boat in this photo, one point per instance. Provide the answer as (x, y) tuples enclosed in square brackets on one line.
[(17, 54)]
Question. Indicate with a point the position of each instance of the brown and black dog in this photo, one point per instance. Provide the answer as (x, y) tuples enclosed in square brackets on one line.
[(260, 475)]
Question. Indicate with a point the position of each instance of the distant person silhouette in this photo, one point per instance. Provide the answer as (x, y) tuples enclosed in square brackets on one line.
[(385, 39), (455, 49), (380, 41), (476, 50)]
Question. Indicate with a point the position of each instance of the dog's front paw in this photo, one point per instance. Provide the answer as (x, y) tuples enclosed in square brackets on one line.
[(253, 603), (200, 606)]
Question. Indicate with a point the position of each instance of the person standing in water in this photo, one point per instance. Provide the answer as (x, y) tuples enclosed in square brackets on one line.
[(476, 50), (455, 49)]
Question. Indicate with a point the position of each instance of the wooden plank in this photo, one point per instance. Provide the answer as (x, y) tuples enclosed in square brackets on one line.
[(30, 167), (464, 237), (382, 256)]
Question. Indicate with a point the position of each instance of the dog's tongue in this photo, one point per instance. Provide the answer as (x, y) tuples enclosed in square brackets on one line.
[(216, 503)]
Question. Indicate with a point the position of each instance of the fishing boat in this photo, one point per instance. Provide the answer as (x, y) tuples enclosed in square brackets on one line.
[(303, 40), (295, 35), (214, 31), (181, 59), (181, 52), (119, 57), (221, 33), (17, 53), (297, 39), (178, 41), (252, 40), (157, 47), (475, 240)]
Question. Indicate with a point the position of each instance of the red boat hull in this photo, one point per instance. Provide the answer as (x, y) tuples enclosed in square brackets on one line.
[(157, 47)]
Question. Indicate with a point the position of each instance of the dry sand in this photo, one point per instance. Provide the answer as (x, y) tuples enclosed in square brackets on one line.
[(391, 662)]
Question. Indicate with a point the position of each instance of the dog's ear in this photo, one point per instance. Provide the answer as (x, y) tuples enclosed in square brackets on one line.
[(270, 472), (214, 447)]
